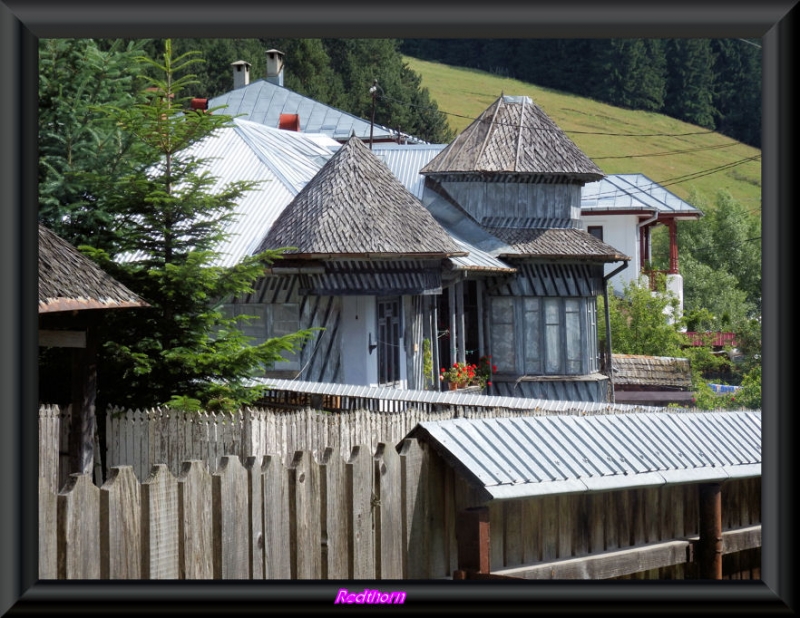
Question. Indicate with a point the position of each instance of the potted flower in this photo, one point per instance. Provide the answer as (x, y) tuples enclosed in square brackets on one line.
[(461, 375)]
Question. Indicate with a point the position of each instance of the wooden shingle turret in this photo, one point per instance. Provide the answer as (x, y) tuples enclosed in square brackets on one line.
[(514, 136), (355, 207)]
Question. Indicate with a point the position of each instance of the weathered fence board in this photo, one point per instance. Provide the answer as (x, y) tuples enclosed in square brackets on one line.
[(120, 526), (79, 529), (48, 531), (230, 516), (388, 522), (277, 546), (195, 519), (359, 507), (334, 533), (304, 524), (160, 525)]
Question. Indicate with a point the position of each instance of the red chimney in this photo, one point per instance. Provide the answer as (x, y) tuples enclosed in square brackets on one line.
[(289, 122)]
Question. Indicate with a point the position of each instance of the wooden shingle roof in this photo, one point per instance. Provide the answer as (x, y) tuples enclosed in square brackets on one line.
[(514, 136), (355, 207), (555, 243), (70, 281), (656, 371)]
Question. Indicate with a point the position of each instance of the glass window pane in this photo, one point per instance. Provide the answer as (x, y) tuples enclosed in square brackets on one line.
[(503, 348), (532, 327), (552, 336), (573, 335)]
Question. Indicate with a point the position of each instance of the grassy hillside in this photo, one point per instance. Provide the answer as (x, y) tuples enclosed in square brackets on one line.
[(677, 155)]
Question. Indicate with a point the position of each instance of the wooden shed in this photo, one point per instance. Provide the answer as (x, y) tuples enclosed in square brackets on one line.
[(651, 380), (74, 294), (641, 495)]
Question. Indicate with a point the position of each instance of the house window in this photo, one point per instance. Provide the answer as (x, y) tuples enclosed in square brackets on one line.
[(389, 340), (596, 231), (544, 336), (267, 322)]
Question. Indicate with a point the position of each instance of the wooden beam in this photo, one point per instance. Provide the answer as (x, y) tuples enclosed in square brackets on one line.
[(472, 538), (62, 338), (631, 560)]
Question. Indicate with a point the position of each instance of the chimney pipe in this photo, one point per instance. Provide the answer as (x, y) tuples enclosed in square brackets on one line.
[(275, 67), (241, 73)]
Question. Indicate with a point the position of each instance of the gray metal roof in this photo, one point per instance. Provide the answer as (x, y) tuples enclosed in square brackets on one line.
[(354, 207), (69, 281), (632, 192), (263, 102), (281, 162), (514, 136), (405, 162), (531, 407), (506, 458)]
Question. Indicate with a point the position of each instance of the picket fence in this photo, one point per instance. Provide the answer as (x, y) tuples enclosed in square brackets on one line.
[(379, 514), (143, 438)]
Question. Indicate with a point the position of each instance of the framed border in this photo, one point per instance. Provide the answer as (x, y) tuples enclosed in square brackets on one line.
[(23, 21)]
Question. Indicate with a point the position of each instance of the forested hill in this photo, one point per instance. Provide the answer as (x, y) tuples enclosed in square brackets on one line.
[(711, 83)]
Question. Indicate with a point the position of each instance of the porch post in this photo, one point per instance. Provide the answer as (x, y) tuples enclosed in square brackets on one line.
[(710, 544), (673, 246), (453, 323)]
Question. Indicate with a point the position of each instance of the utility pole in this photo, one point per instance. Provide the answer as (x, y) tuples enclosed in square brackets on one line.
[(373, 91)]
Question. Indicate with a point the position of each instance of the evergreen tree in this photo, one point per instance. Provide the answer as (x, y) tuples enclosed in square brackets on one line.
[(690, 82), (169, 217), (77, 77), (738, 89)]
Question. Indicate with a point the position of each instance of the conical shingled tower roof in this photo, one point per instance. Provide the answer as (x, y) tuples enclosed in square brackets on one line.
[(514, 136), (355, 207)]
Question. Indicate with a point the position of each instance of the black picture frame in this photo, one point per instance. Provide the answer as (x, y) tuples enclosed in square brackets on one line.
[(23, 21)]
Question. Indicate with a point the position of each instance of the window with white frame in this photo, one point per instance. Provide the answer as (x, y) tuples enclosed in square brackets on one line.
[(544, 335)]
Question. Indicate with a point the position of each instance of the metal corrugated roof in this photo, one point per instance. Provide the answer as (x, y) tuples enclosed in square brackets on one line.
[(507, 458), (533, 407), (263, 102), (632, 192), (405, 162)]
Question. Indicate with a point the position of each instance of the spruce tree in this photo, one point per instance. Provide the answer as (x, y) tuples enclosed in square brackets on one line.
[(169, 216)]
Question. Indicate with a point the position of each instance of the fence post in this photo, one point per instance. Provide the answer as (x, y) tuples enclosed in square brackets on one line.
[(710, 543), (472, 537)]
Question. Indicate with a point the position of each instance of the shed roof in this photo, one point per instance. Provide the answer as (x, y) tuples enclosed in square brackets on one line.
[(70, 281), (515, 136), (507, 458), (658, 371), (356, 207)]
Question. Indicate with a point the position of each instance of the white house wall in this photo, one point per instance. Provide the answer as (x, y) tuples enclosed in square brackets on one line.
[(619, 231)]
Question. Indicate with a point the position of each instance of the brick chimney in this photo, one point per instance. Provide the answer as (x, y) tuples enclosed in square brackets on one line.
[(241, 73), (275, 67)]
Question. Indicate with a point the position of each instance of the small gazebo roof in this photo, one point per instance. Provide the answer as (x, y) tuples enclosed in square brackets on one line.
[(70, 281)]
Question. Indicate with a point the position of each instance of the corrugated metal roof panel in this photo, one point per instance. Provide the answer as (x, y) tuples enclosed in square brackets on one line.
[(632, 192), (540, 455)]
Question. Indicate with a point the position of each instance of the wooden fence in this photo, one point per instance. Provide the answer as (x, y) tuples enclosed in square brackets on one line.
[(370, 515), (143, 438), (382, 513)]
